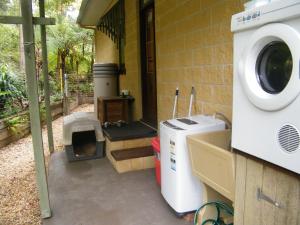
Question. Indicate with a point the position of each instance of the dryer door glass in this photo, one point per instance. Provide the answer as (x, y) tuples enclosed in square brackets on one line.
[(274, 67)]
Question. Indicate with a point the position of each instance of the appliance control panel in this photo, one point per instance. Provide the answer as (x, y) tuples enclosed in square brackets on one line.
[(250, 16), (273, 12)]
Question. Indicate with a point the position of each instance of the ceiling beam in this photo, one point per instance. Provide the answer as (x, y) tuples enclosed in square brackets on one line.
[(20, 20)]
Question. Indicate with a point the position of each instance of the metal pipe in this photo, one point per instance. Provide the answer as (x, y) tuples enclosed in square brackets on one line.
[(191, 101), (175, 102), (225, 119)]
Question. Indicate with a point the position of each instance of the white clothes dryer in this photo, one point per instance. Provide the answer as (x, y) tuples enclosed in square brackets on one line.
[(266, 102)]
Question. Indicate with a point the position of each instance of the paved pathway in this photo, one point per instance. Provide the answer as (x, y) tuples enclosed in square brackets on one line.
[(18, 193), (91, 192)]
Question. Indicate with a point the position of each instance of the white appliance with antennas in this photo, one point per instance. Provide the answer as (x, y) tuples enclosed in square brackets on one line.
[(266, 101), (179, 187)]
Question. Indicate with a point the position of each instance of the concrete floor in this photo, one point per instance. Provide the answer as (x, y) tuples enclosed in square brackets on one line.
[(93, 193)]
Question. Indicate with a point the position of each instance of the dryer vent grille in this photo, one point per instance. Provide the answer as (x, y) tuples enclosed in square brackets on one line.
[(289, 138)]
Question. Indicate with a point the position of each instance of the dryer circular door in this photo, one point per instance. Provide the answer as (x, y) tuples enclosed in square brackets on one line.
[(269, 67)]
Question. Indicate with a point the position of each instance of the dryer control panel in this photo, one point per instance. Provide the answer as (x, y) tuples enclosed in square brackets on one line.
[(273, 12), (249, 17)]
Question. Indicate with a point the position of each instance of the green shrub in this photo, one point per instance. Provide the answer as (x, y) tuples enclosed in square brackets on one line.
[(13, 95), (14, 123)]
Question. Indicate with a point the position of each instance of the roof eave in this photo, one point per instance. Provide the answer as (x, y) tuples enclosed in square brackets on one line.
[(91, 11)]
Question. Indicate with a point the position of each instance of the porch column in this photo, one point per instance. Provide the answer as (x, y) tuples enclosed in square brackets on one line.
[(46, 78), (32, 90)]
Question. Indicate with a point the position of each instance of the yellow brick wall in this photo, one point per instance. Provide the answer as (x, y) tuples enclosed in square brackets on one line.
[(194, 48), (132, 80), (105, 49), (107, 52)]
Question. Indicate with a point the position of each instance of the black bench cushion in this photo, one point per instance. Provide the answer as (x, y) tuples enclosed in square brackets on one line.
[(132, 130)]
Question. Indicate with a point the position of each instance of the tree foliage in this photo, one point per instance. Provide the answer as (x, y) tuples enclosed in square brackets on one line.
[(72, 44), (12, 92), (4, 5), (9, 46), (9, 7), (69, 49)]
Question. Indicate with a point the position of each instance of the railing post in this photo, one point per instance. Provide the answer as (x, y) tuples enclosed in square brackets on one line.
[(32, 90)]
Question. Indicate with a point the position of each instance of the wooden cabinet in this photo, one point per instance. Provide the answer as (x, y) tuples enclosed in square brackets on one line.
[(275, 183), (113, 109)]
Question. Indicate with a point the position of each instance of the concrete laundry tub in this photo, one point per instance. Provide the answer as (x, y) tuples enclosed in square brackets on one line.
[(213, 162)]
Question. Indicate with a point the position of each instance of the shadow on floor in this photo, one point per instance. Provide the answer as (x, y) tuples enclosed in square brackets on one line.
[(93, 193)]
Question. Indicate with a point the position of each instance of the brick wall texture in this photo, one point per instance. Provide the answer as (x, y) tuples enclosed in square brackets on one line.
[(132, 80), (193, 48), (106, 49)]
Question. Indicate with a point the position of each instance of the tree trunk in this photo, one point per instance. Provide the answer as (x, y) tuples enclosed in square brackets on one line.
[(92, 56), (21, 48), (63, 69), (72, 62), (83, 49), (77, 67), (58, 76)]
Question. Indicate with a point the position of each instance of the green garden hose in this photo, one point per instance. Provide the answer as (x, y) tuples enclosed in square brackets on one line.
[(220, 206)]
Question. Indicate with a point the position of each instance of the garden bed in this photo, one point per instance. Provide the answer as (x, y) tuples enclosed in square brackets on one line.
[(20, 127), (86, 99)]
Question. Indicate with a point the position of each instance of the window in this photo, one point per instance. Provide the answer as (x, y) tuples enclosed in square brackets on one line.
[(274, 67)]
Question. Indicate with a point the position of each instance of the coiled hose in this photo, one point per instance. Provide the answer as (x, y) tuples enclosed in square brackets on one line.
[(220, 206)]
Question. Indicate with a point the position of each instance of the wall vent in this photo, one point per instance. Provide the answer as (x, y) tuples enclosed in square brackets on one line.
[(289, 138)]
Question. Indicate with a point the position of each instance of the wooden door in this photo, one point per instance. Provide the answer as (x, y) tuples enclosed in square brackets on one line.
[(149, 102)]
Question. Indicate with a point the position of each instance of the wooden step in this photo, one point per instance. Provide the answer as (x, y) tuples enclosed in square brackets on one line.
[(132, 164), (132, 153)]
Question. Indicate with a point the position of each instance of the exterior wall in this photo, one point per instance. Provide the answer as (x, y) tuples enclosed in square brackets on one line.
[(106, 50), (194, 48), (132, 80)]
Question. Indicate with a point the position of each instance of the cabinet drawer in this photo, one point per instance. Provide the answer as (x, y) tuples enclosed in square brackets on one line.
[(114, 108)]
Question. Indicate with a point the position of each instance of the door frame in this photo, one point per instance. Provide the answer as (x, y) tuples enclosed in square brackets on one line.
[(143, 6)]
